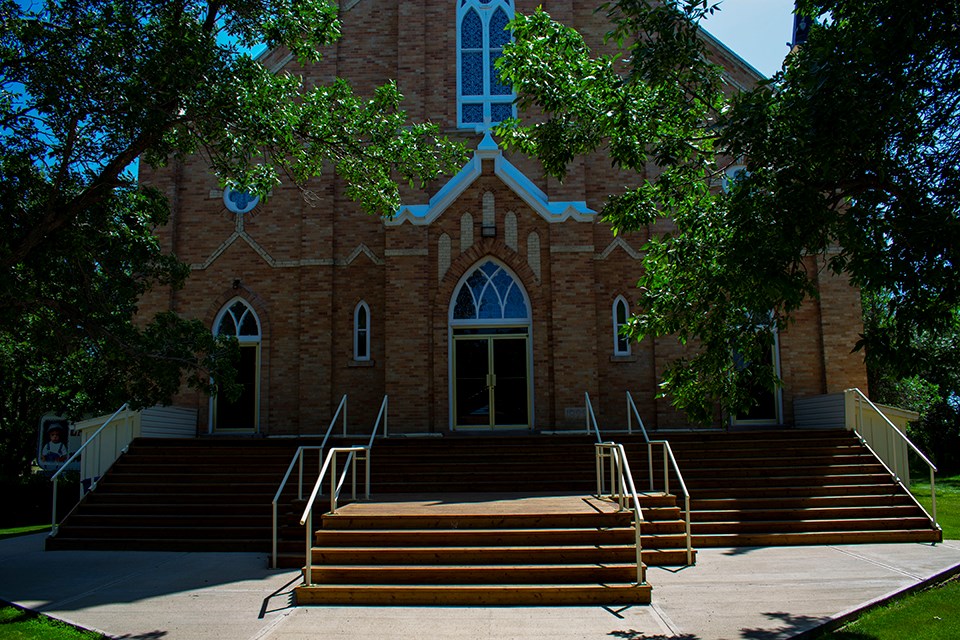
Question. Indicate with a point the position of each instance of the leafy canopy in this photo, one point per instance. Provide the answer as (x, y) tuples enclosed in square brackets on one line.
[(89, 86), (852, 164)]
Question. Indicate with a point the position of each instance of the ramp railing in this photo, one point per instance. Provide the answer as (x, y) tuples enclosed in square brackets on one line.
[(53, 518), (889, 444)]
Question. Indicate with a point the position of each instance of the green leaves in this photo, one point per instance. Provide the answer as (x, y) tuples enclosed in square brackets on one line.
[(87, 88), (851, 157)]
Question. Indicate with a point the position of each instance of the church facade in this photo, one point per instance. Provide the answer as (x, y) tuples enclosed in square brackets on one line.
[(490, 301)]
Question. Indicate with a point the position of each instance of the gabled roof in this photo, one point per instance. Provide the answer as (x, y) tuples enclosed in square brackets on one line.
[(423, 214)]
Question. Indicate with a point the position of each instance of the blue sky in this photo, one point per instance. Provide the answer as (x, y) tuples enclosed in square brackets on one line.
[(757, 30)]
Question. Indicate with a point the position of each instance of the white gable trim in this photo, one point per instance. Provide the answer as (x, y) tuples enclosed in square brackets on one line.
[(424, 214)]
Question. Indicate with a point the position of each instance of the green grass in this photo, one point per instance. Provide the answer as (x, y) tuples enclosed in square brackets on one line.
[(22, 624), (929, 615), (948, 502), (22, 531)]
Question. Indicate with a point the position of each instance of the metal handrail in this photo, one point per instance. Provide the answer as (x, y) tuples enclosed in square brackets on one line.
[(667, 457), (620, 468), (858, 426), (298, 457), (335, 487), (632, 408), (591, 416), (376, 426), (54, 525)]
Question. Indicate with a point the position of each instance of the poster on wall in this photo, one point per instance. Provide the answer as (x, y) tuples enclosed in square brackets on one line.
[(56, 442)]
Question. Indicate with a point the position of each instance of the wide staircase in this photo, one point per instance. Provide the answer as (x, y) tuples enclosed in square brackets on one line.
[(748, 488), (181, 495), (788, 487)]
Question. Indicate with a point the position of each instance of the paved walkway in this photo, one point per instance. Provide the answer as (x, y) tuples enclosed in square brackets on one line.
[(738, 593)]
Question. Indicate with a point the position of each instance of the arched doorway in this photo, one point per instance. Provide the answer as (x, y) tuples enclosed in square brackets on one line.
[(490, 356), (238, 319)]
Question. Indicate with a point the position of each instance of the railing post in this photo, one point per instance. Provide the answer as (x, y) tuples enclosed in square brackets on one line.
[(55, 526), (629, 417), (309, 558), (933, 495), (641, 570), (353, 478), (650, 464), (273, 564), (599, 468), (666, 472), (367, 471), (300, 479), (333, 483)]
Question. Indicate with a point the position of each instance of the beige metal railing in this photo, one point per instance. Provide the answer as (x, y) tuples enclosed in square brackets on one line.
[(591, 416), (298, 458), (336, 484), (623, 490), (55, 525), (354, 453), (669, 461), (886, 442)]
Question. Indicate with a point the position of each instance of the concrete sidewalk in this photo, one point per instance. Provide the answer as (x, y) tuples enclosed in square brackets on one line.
[(746, 593)]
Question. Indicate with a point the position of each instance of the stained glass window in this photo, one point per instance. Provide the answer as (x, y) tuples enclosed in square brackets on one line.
[(239, 202), (490, 293), (484, 100)]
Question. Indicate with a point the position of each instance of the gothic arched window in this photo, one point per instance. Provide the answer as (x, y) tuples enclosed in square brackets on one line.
[(482, 99)]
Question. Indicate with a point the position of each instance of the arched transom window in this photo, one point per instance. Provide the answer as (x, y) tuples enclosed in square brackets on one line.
[(490, 293), (239, 320), (482, 100)]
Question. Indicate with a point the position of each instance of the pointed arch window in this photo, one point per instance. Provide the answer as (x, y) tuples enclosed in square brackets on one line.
[(490, 293), (621, 312), (361, 331), (482, 99)]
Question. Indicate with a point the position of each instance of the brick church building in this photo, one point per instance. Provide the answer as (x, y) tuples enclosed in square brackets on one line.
[(490, 301)]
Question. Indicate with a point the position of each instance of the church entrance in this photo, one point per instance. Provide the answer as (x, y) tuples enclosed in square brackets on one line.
[(491, 377), (240, 414), (490, 358)]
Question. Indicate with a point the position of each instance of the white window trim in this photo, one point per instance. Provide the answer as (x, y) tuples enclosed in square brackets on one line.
[(617, 350), (356, 332), (485, 11)]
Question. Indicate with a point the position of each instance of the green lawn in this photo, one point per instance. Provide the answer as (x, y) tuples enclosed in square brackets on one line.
[(930, 615), (20, 624), (948, 502), (22, 531)]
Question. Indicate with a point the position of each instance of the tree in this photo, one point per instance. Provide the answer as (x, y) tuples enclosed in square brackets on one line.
[(89, 86), (851, 155)]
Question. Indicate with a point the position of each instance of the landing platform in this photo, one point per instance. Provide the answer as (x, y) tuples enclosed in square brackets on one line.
[(447, 504)]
